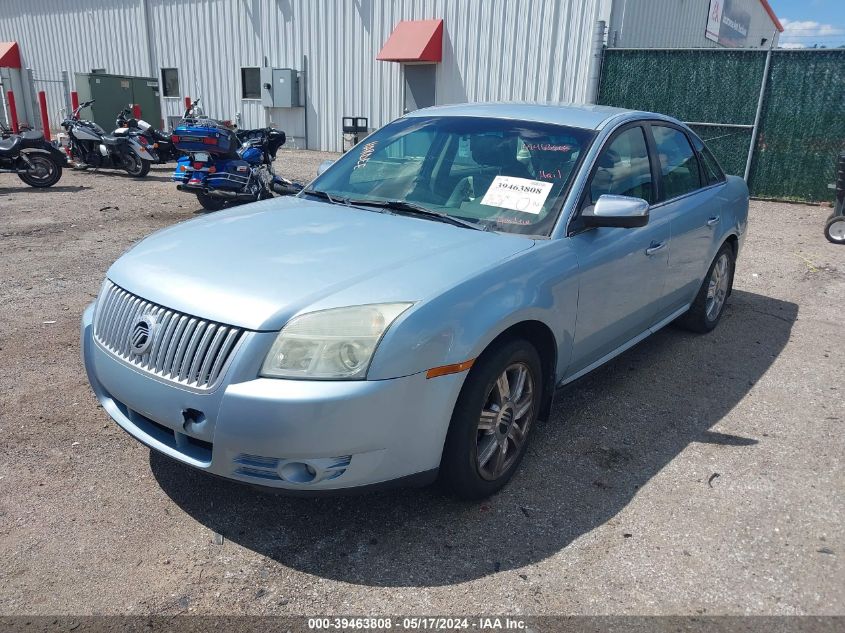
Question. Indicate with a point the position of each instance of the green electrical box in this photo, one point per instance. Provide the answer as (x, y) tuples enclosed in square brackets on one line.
[(113, 93)]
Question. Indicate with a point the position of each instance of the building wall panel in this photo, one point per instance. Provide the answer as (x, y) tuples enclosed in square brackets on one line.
[(492, 50), (678, 24)]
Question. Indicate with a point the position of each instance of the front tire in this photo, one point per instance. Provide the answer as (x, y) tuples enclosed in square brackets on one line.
[(709, 304), (46, 171), (210, 203), (492, 421), (834, 229), (136, 166)]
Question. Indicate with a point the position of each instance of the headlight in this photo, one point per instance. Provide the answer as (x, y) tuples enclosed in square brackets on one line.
[(331, 344)]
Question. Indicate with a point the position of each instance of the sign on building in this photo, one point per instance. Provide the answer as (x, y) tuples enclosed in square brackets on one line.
[(727, 23)]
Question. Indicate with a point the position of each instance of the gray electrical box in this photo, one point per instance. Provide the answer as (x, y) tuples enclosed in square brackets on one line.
[(279, 88)]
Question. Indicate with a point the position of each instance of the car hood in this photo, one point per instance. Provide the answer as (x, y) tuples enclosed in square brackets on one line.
[(258, 265)]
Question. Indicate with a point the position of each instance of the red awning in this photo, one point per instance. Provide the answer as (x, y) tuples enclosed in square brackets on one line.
[(414, 41), (10, 55)]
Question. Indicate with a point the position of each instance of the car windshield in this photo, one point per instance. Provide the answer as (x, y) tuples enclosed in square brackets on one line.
[(497, 174)]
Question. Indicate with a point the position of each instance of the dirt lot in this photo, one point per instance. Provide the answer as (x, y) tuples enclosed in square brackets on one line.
[(694, 474)]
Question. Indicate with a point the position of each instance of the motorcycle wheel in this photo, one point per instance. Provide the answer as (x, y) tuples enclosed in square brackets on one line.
[(209, 203), (46, 172), (136, 166)]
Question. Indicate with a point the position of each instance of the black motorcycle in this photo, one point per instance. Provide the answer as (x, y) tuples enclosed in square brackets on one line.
[(157, 143), (90, 146), (27, 154)]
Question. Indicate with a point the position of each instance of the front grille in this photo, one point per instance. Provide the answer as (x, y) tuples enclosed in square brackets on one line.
[(185, 349)]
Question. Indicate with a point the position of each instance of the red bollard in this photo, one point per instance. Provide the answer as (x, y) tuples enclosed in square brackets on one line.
[(74, 99), (136, 110), (187, 103), (45, 122), (13, 111)]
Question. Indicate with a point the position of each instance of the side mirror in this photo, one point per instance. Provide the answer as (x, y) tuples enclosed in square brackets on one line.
[(617, 211), (324, 166)]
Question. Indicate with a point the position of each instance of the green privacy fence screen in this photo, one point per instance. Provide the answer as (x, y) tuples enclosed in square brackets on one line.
[(802, 125)]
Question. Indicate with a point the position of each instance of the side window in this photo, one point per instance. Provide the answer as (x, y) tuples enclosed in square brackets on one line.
[(623, 168), (711, 172), (678, 164)]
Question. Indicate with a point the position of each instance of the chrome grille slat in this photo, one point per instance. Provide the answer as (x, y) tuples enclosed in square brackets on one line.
[(137, 313), (123, 329), (164, 320), (104, 311), (184, 340), (111, 319), (210, 354), (188, 355), (199, 354), (186, 350), (225, 349), (165, 339), (173, 344), (119, 317)]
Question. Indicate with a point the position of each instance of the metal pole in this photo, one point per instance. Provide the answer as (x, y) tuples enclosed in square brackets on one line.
[(45, 120), (13, 111), (304, 83), (66, 86), (595, 62), (759, 112)]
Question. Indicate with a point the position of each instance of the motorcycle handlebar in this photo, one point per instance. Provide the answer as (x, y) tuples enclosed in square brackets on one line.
[(82, 105)]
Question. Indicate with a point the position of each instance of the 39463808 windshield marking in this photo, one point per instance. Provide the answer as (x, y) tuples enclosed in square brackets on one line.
[(517, 194)]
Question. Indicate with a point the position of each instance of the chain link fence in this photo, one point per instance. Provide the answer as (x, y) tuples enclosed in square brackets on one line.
[(716, 91)]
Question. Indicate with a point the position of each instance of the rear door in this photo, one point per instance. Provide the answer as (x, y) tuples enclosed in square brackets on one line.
[(694, 209), (622, 272)]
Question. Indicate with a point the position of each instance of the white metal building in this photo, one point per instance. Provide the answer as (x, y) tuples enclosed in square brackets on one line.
[(368, 58), (693, 24)]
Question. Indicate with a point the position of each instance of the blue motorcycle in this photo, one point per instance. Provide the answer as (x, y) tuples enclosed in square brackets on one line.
[(223, 167)]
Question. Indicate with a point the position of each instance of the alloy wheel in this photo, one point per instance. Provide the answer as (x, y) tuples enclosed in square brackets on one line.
[(504, 420), (717, 288)]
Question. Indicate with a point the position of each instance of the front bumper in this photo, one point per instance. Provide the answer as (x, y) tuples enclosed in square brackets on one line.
[(291, 434)]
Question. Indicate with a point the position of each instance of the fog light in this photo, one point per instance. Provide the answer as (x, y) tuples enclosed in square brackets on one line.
[(298, 472)]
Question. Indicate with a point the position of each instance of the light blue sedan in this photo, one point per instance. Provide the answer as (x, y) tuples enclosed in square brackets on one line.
[(410, 314)]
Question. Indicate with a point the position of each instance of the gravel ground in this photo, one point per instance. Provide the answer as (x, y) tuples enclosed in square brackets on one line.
[(692, 475)]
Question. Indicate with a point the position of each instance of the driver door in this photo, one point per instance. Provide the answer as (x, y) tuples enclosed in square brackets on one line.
[(622, 272)]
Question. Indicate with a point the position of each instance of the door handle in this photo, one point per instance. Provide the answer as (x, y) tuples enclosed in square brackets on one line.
[(713, 221), (651, 250)]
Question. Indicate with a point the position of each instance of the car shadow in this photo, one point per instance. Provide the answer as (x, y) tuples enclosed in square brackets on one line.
[(608, 435)]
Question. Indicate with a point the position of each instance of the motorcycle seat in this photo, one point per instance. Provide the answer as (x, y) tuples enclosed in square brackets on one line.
[(32, 138), (10, 146)]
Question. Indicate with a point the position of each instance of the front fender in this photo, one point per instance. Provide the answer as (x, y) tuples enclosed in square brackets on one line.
[(539, 284)]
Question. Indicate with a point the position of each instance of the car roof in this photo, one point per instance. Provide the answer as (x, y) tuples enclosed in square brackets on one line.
[(582, 115)]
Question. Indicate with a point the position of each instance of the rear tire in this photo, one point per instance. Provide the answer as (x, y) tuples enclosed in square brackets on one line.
[(834, 229), (47, 171), (709, 304), (136, 166), (492, 421), (209, 203)]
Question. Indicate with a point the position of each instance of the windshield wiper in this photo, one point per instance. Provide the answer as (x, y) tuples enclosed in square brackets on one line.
[(325, 196), (404, 207)]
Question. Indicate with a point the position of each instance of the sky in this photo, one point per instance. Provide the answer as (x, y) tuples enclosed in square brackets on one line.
[(811, 22)]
